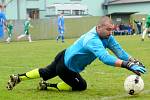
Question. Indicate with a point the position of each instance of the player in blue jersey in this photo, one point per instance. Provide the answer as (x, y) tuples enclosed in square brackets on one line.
[(2, 22), (70, 62), (60, 24)]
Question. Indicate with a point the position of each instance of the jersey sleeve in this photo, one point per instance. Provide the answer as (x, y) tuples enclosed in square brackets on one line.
[(96, 47), (115, 47)]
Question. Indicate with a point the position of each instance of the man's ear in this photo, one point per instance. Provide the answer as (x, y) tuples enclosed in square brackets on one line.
[(98, 28)]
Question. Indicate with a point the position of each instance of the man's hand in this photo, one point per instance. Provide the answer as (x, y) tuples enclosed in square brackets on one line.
[(137, 69), (136, 61)]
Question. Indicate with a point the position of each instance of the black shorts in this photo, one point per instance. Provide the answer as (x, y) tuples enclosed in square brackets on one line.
[(58, 68)]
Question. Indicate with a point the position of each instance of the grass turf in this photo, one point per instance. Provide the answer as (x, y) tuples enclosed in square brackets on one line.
[(104, 82)]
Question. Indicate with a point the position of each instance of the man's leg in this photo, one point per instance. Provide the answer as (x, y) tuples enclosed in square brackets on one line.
[(61, 86), (30, 75), (140, 30), (71, 81), (62, 37), (29, 38), (46, 73), (70, 78), (20, 36), (8, 39), (144, 33), (15, 79), (59, 35)]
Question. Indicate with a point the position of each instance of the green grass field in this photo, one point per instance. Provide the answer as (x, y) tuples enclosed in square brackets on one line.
[(104, 82)]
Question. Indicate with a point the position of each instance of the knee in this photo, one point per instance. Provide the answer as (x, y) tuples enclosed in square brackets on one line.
[(44, 73), (82, 85)]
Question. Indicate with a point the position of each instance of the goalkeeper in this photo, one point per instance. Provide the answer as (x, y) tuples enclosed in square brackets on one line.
[(70, 62)]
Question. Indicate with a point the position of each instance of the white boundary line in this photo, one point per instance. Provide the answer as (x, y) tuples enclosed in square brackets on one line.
[(123, 95), (114, 97)]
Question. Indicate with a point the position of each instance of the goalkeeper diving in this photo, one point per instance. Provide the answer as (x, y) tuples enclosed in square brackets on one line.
[(70, 62)]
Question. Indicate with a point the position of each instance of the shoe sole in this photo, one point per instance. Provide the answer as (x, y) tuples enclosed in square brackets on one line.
[(9, 84), (42, 86)]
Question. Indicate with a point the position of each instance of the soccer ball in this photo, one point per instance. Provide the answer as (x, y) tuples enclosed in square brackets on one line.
[(133, 84)]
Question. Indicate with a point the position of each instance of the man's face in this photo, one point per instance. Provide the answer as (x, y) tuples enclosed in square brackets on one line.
[(105, 31)]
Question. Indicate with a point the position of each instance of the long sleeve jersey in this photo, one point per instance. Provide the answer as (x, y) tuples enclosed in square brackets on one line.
[(89, 47)]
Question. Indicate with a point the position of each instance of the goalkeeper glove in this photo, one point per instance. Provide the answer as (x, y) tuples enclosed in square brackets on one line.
[(137, 69), (136, 61)]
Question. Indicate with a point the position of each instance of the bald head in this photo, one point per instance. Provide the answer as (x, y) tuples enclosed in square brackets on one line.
[(104, 27), (105, 20)]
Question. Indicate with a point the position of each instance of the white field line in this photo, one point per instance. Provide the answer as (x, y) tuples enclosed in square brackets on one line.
[(114, 97), (122, 96)]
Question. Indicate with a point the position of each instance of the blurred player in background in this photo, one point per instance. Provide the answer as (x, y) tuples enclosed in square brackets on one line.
[(9, 31), (147, 26), (139, 26), (60, 24), (27, 26), (2, 21), (70, 62)]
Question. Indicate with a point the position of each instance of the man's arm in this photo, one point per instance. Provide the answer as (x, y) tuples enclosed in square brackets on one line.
[(121, 54), (97, 48), (115, 47)]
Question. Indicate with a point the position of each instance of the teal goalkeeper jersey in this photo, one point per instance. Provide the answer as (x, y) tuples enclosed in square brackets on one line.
[(89, 47)]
